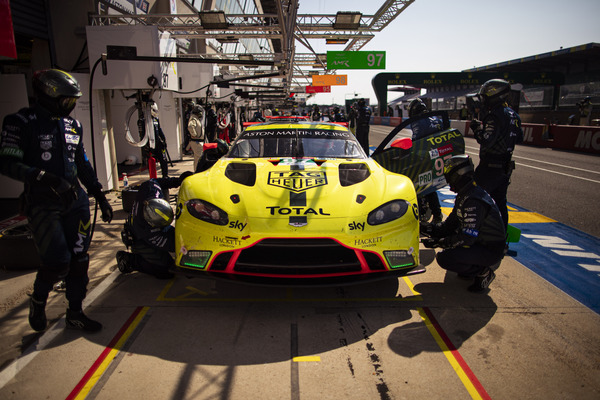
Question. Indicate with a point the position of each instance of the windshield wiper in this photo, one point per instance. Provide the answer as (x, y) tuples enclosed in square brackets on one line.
[(297, 148)]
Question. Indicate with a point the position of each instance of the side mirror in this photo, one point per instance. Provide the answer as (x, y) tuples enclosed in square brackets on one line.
[(402, 143)]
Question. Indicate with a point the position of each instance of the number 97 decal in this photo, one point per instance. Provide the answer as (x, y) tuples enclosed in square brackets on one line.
[(438, 164)]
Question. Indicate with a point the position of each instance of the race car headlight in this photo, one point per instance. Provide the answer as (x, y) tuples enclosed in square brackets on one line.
[(207, 212), (388, 212), (195, 258), (399, 258)]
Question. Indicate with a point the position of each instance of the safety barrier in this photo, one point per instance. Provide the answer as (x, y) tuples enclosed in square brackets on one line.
[(388, 121), (584, 139)]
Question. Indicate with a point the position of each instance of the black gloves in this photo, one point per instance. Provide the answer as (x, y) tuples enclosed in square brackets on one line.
[(430, 243), (184, 175), (105, 208), (477, 131), (60, 186), (426, 228)]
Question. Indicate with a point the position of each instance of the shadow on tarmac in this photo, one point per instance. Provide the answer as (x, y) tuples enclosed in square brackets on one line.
[(459, 313), (201, 321)]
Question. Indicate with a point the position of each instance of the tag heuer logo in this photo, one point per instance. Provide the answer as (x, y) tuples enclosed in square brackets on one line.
[(297, 181)]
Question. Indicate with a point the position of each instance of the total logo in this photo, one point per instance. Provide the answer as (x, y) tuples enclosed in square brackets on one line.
[(443, 138), (276, 210)]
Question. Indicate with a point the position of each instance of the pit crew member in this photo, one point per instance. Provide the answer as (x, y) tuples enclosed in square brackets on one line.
[(42, 147), (473, 235), (497, 136), (148, 230)]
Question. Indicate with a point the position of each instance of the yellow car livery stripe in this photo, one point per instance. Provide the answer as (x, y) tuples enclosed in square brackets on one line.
[(296, 126)]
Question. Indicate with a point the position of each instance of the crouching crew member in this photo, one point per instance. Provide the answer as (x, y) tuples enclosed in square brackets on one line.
[(473, 235), (148, 230)]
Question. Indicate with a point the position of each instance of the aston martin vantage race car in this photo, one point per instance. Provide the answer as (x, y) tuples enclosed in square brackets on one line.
[(297, 202)]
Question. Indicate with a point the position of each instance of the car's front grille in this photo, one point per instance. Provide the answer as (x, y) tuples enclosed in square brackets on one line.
[(297, 257)]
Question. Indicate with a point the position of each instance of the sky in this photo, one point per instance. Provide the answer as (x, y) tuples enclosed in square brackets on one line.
[(451, 36)]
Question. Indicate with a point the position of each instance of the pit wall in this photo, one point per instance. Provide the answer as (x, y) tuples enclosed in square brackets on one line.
[(583, 139)]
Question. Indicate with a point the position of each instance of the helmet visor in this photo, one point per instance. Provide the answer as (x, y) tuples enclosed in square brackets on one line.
[(67, 104)]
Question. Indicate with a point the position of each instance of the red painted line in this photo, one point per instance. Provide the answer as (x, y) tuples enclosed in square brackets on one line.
[(478, 386), (103, 355)]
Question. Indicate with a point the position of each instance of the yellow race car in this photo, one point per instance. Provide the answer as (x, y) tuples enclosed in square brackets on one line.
[(297, 202)]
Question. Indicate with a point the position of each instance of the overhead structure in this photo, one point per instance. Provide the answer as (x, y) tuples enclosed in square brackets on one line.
[(280, 25)]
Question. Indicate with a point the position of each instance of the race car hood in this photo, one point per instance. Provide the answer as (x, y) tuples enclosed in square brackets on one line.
[(286, 188)]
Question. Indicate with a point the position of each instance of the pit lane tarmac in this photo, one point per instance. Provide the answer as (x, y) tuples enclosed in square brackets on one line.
[(193, 338), (420, 337)]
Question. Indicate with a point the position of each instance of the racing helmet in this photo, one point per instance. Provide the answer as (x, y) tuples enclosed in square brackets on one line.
[(494, 92), (158, 213), (56, 91), (130, 160), (416, 107), (459, 171), (197, 110)]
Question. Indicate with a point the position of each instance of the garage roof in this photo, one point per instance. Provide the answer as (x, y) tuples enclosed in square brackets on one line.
[(551, 61)]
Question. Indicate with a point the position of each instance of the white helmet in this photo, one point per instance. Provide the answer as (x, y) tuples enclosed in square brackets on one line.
[(130, 160)]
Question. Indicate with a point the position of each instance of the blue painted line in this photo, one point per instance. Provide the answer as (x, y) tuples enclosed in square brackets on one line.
[(565, 257), (562, 255)]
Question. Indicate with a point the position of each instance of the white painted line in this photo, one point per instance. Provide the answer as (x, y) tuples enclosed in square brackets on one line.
[(11, 371), (550, 171)]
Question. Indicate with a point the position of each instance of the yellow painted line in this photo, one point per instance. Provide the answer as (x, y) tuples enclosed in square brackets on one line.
[(527, 217), (288, 299), (162, 295), (89, 380), (183, 298), (517, 217), (459, 365), (307, 359), (412, 287)]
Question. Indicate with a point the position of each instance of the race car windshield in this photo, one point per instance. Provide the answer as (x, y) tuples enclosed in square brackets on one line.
[(307, 147)]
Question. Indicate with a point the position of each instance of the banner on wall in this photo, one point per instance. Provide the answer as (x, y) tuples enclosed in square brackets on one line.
[(7, 35)]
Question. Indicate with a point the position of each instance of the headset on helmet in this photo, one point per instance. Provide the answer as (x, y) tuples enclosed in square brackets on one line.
[(416, 107), (56, 90), (458, 171), (494, 92), (158, 213)]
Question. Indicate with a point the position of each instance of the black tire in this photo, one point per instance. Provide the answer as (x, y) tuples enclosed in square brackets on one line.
[(17, 248)]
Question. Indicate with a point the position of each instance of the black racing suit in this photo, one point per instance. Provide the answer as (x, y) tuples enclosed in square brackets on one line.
[(151, 246), (500, 132), (363, 119), (211, 125), (33, 140), (472, 236)]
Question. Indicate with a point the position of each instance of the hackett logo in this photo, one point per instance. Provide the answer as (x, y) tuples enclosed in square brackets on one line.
[(297, 181)]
